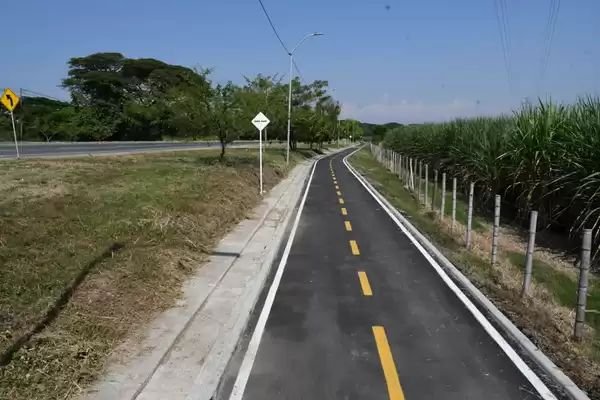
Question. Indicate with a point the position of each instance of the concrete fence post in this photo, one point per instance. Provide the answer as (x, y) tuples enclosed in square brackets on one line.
[(419, 172), (470, 215), (400, 167), (411, 180), (407, 165), (403, 169), (496, 229), (443, 194), (582, 289), (426, 184), (529, 256), (453, 204), (434, 191)]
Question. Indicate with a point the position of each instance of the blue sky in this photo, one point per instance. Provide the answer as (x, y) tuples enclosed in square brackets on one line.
[(413, 61)]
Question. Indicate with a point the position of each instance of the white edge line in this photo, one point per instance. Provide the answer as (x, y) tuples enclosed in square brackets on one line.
[(246, 367), (487, 326)]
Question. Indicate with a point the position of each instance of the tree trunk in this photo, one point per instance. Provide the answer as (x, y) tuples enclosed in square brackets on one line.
[(223, 144)]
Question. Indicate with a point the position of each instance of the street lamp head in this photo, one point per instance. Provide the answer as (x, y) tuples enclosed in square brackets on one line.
[(318, 34)]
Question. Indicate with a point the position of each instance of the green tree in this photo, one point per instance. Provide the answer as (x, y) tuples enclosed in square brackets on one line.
[(43, 118), (268, 95), (136, 99), (223, 114)]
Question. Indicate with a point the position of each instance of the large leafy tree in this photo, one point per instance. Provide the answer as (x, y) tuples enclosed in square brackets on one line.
[(268, 95), (121, 98)]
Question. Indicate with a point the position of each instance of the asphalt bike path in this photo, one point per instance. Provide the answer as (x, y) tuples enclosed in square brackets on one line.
[(359, 313)]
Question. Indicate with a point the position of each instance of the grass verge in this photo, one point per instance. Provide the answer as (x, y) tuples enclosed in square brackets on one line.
[(92, 248), (546, 316)]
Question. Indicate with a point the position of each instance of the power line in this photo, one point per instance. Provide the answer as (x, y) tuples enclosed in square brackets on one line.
[(298, 71), (31, 92), (500, 18), (548, 39), (273, 27), (545, 40), (508, 42)]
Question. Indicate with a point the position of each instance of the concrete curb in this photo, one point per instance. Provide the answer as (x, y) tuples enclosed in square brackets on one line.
[(509, 329), (209, 377)]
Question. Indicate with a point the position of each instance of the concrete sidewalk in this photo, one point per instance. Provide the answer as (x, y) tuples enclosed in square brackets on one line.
[(186, 349)]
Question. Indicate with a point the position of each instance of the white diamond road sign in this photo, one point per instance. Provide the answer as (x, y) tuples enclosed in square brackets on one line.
[(260, 121)]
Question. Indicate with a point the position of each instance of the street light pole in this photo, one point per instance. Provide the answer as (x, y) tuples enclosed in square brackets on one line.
[(289, 125)]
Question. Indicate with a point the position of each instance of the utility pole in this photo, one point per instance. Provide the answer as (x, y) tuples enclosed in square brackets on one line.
[(22, 115), (289, 124)]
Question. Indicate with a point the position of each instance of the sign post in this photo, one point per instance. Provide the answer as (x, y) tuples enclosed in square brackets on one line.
[(10, 100), (260, 122)]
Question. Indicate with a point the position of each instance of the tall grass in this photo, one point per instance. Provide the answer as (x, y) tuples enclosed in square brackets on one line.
[(544, 157)]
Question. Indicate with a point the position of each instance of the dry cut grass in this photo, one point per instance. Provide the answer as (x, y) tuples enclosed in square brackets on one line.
[(113, 238)]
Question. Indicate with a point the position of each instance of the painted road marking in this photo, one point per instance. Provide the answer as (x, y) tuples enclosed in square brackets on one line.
[(364, 283), (341, 200), (246, 367), (348, 226), (339, 193), (387, 363), (344, 211), (531, 376), (354, 248), (337, 187)]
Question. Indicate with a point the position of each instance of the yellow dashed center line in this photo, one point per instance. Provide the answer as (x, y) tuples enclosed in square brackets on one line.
[(341, 200), (364, 283), (387, 363), (344, 211), (354, 248), (348, 226), (339, 193)]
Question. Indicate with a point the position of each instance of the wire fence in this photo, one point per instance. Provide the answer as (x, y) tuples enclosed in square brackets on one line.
[(415, 176)]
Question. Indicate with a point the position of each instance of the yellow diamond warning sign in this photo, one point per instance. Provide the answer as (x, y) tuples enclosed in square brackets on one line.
[(9, 99)]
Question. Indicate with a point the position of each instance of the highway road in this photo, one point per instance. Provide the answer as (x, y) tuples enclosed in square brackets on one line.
[(37, 150), (357, 311)]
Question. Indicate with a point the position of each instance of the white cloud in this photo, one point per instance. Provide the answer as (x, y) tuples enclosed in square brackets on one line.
[(413, 112)]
